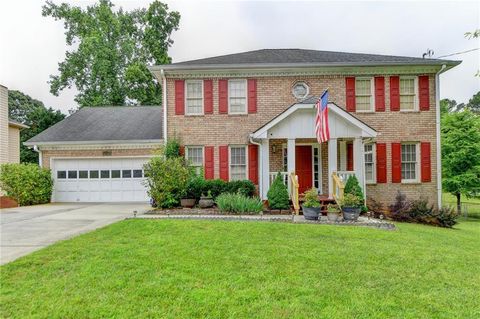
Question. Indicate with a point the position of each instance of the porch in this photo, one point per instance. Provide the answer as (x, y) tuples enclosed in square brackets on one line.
[(288, 146)]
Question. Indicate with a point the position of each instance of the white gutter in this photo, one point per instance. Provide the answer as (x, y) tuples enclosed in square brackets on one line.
[(122, 142), (35, 148), (164, 100), (438, 141)]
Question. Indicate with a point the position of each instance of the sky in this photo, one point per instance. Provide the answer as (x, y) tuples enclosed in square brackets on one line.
[(31, 46)]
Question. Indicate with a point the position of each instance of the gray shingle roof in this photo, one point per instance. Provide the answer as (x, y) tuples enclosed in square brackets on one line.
[(301, 56), (113, 123)]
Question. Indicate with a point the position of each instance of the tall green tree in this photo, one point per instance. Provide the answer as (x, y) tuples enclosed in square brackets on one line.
[(26, 110), (474, 103), (461, 154), (110, 51)]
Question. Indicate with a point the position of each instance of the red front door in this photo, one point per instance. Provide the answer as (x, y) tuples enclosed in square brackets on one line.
[(303, 167)]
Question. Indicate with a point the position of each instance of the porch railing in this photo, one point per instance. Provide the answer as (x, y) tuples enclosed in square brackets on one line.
[(338, 187), (273, 175), (294, 191), (344, 175)]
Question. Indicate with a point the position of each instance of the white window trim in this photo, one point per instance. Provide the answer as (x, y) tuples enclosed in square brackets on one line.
[(186, 97), (372, 94), (374, 161), (187, 147), (415, 99), (230, 95), (230, 160), (417, 167)]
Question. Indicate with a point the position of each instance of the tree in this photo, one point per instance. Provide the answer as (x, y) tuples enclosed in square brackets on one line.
[(111, 51), (474, 103), (26, 110), (448, 106), (461, 154)]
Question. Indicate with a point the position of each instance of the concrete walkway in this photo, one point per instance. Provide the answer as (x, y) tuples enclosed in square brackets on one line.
[(26, 229)]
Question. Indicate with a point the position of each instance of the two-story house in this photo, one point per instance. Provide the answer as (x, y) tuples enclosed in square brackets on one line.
[(251, 115)]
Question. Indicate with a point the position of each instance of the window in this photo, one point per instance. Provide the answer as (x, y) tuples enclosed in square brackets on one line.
[(93, 174), (137, 173), (82, 174), (409, 162), (194, 97), (105, 174), (72, 174), (369, 151), (237, 96), (126, 173), (363, 94), (407, 94), (285, 159), (116, 173), (316, 167), (61, 174), (238, 163), (300, 90), (194, 156)]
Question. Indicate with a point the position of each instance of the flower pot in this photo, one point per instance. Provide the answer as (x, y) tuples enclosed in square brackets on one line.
[(187, 202), (351, 213), (311, 213), (332, 217), (205, 202)]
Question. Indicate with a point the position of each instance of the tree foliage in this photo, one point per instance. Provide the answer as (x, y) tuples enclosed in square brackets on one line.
[(278, 194), (461, 154), (26, 110), (110, 52), (449, 106)]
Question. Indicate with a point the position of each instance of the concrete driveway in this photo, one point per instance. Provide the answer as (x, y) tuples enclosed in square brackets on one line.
[(26, 229)]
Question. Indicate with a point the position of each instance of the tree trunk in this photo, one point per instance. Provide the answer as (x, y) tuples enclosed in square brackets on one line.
[(459, 205)]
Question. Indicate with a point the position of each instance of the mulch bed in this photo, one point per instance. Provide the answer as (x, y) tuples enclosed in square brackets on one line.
[(207, 211)]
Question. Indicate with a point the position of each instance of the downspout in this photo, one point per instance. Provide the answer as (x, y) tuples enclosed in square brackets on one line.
[(164, 102), (35, 148), (438, 141), (260, 171)]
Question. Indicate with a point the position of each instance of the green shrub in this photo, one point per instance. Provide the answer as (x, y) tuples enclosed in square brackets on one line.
[(238, 203), (350, 200), (278, 194), (166, 180), (214, 186), (311, 198), (172, 148), (244, 187), (28, 184), (195, 186), (353, 187), (419, 211)]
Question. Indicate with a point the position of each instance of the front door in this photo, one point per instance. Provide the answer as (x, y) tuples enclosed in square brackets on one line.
[(303, 167)]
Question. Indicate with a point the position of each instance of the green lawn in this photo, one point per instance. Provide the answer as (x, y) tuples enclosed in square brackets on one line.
[(214, 269), (472, 204)]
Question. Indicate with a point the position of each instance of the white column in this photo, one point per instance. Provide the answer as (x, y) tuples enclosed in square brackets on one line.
[(343, 155), (358, 161), (265, 173), (291, 155), (332, 163)]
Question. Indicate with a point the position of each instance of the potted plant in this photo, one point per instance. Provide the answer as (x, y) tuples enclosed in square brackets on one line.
[(333, 212), (351, 206), (311, 205), (206, 201)]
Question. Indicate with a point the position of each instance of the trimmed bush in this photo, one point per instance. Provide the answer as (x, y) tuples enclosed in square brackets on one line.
[(244, 187), (167, 180), (239, 204), (172, 148), (195, 186), (353, 187), (28, 184), (419, 211), (278, 194), (215, 186)]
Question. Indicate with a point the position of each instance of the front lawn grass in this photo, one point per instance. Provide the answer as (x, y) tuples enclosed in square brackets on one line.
[(215, 269)]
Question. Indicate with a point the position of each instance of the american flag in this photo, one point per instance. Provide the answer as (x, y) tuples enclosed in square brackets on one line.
[(321, 121)]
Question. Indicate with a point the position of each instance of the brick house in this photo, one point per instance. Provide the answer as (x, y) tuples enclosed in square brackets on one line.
[(251, 115)]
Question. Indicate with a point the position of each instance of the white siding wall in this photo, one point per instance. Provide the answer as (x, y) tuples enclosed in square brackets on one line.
[(3, 124), (13, 145)]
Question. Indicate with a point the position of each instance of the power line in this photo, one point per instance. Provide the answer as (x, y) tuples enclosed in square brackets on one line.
[(457, 53)]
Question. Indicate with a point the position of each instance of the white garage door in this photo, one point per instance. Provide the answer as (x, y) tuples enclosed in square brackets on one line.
[(99, 180)]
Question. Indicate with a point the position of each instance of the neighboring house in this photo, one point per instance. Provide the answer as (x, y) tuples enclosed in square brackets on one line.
[(9, 132), (250, 115)]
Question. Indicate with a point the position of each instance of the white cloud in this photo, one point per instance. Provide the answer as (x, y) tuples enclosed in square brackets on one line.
[(31, 46)]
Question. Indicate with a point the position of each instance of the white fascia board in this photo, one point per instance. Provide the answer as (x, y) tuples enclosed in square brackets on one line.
[(113, 142)]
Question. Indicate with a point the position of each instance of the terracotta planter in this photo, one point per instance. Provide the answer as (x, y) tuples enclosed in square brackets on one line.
[(311, 213), (187, 202)]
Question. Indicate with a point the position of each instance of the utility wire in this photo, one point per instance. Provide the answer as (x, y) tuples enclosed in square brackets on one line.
[(457, 53)]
